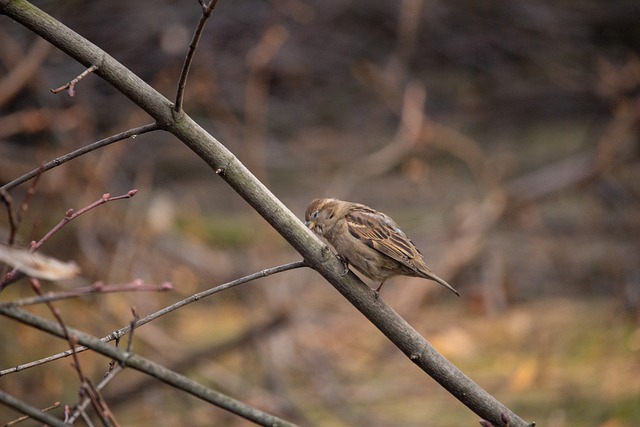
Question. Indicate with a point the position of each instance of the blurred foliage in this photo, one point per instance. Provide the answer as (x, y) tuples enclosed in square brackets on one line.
[(502, 136)]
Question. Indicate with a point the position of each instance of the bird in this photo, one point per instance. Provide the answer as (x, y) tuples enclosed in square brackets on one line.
[(369, 240)]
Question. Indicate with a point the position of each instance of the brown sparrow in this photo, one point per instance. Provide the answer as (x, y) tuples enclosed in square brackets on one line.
[(369, 240)]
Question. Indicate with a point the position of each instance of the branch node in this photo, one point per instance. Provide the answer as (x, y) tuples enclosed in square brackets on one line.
[(505, 419)]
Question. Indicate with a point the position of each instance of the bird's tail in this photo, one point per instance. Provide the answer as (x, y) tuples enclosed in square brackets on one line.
[(432, 276)]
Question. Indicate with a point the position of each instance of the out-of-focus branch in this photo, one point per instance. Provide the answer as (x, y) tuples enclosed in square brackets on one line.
[(256, 97), (96, 288), (412, 120), (23, 72)]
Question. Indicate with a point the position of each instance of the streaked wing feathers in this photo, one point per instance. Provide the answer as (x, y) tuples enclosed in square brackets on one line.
[(381, 233)]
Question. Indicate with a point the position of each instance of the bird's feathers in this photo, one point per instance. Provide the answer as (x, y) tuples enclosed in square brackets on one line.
[(381, 233)]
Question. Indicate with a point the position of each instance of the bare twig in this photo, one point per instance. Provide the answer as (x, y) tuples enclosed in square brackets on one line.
[(22, 73), (95, 289), (70, 215), (15, 218), (207, 9), (131, 133), (33, 412), (86, 387), (7, 201), (116, 335), (82, 406), (26, 417), (132, 326), (72, 84), (112, 372), (27, 197)]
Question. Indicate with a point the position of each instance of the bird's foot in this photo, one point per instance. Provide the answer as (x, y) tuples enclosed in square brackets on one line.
[(376, 291), (345, 264)]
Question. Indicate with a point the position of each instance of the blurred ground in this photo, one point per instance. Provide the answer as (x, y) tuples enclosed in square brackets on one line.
[(502, 137)]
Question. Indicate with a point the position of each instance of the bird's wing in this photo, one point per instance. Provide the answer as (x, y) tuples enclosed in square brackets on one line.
[(381, 233)]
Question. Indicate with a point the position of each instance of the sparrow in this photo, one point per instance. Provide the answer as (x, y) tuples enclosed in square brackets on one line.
[(369, 240)]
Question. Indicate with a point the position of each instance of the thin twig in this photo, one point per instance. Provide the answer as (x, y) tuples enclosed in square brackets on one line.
[(33, 412), (193, 298), (95, 289), (27, 197), (207, 9), (26, 417), (7, 200), (70, 215), (72, 84), (131, 133), (15, 218), (82, 406), (132, 326), (112, 372), (86, 388)]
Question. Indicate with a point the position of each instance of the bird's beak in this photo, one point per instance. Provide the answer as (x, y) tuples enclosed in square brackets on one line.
[(310, 224)]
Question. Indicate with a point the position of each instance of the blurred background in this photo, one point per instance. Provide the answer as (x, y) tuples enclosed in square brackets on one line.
[(502, 136)]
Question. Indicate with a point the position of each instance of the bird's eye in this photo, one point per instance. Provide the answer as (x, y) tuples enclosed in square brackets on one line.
[(314, 215)]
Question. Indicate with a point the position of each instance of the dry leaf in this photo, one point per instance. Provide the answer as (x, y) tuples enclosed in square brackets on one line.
[(36, 265)]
